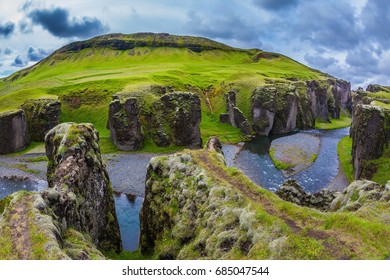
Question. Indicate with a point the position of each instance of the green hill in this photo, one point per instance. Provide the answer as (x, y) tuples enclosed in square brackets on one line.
[(84, 76)]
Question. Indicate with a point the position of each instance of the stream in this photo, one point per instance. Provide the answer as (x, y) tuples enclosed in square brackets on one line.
[(128, 172)]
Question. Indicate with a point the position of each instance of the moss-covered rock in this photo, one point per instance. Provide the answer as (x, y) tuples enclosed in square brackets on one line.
[(360, 194), (370, 134), (197, 208), (42, 115), (235, 116), (80, 191), (14, 132), (125, 125), (175, 119), (29, 230)]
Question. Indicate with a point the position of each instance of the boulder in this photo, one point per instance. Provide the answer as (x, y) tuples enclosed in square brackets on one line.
[(42, 115), (125, 125), (14, 132), (176, 120), (234, 116), (291, 191), (213, 144), (80, 191), (370, 133), (360, 193)]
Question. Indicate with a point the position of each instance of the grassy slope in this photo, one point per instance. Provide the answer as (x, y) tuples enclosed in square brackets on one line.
[(90, 77)]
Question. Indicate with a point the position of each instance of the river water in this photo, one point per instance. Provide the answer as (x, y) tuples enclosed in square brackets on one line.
[(254, 160)]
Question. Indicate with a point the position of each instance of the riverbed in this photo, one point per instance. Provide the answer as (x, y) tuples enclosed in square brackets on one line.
[(128, 171)]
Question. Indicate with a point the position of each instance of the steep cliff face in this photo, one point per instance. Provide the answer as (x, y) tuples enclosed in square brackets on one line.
[(80, 191), (283, 107), (235, 116), (42, 115), (370, 134), (29, 230), (176, 119), (14, 132), (197, 208), (124, 124)]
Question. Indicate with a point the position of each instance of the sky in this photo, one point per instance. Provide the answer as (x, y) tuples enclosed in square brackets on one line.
[(347, 39)]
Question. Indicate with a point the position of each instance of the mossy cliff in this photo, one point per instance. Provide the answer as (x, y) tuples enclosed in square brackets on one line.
[(175, 119), (80, 191), (285, 106), (29, 230), (42, 115), (14, 132), (370, 134), (197, 208), (125, 125)]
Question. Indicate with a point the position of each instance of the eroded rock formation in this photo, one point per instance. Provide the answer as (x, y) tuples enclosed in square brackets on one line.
[(235, 116), (370, 134), (42, 115), (80, 191), (14, 132), (176, 120), (283, 107), (291, 191), (124, 124)]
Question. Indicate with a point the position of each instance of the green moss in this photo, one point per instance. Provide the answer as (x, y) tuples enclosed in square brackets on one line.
[(4, 203), (334, 124), (344, 150), (279, 164), (37, 159)]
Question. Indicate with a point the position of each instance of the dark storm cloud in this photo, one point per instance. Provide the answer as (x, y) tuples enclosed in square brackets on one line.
[(7, 29), (222, 26), (328, 25), (7, 51), (36, 54), (376, 20), (320, 61), (275, 5), (18, 62), (60, 24)]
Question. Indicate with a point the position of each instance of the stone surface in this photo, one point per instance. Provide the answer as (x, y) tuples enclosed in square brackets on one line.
[(360, 194), (176, 120), (370, 133), (234, 116), (80, 191), (214, 144), (28, 227), (124, 124), (42, 115), (14, 132), (291, 191)]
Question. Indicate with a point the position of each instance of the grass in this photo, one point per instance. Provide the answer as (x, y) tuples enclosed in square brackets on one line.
[(344, 150), (25, 168), (382, 175), (85, 81), (279, 164), (37, 159), (381, 104), (334, 124)]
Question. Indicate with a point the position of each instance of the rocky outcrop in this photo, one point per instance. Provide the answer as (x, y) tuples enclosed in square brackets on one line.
[(80, 191), (197, 208), (214, 144), (29, 230), (291, 191), (125, 125), (235, 116), (370, 134), (283, 107), (377, 88), (176, 120), (361, 194), (14, 132), (42, 115)]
